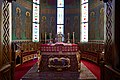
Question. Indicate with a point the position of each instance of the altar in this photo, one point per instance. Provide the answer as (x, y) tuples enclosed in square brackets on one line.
[(59, 57), (56, 47)]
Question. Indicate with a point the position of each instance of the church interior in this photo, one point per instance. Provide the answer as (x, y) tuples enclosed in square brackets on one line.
[(59, 40)]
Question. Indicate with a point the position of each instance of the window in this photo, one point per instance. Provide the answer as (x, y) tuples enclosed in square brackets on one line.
[(60, 17), (84, 20), (35, 32)]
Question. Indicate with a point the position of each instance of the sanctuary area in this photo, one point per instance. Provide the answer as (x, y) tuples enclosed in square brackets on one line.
[(59, 40)]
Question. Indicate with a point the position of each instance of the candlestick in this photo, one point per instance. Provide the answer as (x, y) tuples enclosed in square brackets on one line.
[(45, 37), (68, 38), (73, 37), (50, 37)]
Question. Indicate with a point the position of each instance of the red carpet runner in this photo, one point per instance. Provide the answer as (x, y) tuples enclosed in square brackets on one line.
[(93, 68), (23, 69)]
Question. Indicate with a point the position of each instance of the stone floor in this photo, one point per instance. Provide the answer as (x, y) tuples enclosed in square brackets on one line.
[(84, 74)]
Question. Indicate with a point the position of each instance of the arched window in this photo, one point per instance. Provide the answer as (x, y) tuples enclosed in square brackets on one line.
[(60, 17), (35, 32), (84, 20)]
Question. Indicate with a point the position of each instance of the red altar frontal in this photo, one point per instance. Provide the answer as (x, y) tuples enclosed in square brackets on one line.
[(64, 47), (58, 57)]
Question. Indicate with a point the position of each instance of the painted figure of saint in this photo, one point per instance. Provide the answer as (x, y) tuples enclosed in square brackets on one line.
[(92, 25), (76, 26), (67, 26), (43, 27), (28, 25), (52, 25), (101, 24), (18, 29)]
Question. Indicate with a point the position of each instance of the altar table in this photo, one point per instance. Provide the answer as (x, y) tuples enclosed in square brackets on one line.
[(44, 63), (59, 51)]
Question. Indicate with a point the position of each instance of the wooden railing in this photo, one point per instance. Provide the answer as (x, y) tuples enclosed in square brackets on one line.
[(93, 51), (23, 51), (108, 72)]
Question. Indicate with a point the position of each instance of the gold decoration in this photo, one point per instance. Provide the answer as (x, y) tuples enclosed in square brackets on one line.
[(101, 10), (18, 10), (59, 67), (92, 13), (43, 18), (27, 13), (28, 25)]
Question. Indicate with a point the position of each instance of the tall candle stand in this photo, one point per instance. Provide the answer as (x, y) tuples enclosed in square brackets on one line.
[(73, 37), (50, 34), (45, 37), (68, 38)]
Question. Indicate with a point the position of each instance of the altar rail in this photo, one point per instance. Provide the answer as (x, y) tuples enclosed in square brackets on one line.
[(58, 47)]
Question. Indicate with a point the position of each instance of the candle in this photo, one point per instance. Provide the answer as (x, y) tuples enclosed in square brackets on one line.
[(50, 37), (73, 36), (68, 38), (68, 35)]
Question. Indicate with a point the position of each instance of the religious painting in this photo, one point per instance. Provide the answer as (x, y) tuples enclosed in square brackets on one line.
[(92, 25), (101, 23), (49, 12), (94, 3), (96, 20), (21, 23), (28, 25), (52, 25), (76, 27), (43, 27), (67, 27), (18, 29), (72, 19)]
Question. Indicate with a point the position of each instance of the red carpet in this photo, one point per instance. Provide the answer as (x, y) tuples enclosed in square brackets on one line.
[(23, 69), (93, 68)]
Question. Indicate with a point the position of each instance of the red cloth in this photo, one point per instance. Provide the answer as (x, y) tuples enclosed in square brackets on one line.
[(59, 47)]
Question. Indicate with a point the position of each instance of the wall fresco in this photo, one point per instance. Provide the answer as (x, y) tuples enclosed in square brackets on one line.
[(21, 29), (96, 20), (92, 26)]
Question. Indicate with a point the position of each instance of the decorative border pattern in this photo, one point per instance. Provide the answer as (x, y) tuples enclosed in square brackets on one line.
[(6, 33), (5, 61), (108, 46)]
